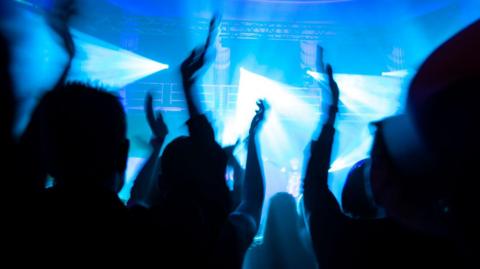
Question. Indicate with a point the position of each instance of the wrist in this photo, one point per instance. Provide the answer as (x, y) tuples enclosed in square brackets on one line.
[(157, 141)]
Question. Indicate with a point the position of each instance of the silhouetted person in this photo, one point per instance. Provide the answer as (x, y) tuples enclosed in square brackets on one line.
[(321, 210), (57, 15), (193, 216), (242, 224), (424, 161), (144, 192), (85, 149), (8, 110), (282, 245), (366, 240)]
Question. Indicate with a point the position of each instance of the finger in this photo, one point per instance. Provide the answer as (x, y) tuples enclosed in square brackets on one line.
[(215, 21), (329, 71), (331, 80), (159, 116), (320, 64), (148, 102), (149, 110), (213, 30), (266, 105), (261, 104)]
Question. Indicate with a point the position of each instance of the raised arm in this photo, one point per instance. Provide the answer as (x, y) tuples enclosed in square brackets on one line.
[(145, 185), (253, 191), (322, 211), (194, 65), (192, 68), (211, 159), (321, 148), (242, 224)]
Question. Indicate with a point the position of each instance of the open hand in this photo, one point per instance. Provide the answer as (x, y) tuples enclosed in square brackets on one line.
[(198, 58), (156, 122), (334, 91), (320, 65), (259, 117)]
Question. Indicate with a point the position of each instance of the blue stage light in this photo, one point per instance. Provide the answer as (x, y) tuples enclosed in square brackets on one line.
[(110, 65), (295, 115)]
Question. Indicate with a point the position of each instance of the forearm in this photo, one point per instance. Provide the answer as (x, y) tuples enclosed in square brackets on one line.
[(323, 213), (238, 176), (318, 165), (192, 105), (316, 176), (253, 191), (317, 195)]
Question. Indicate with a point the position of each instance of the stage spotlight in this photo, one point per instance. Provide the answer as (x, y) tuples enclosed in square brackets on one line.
[(285, 104), (294, 118), (107, 64), (364, 99), (287, 130)]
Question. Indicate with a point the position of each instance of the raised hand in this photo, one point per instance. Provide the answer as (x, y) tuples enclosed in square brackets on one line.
[(144, 189), (197, 61), (259, 117), (198, 58), (213, 31), (253, 191), (320, 65), (156, 122), (334, 91)]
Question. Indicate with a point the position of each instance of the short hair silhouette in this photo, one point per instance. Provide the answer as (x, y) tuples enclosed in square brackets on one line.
[(189, 175), (282, 217), (85, 136)]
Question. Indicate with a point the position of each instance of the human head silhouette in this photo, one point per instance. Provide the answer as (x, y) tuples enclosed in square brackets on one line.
[(188, 176), (282, 218), (84, 137)]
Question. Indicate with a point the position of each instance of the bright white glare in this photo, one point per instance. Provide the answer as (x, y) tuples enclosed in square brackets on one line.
[(399, 74), (283, 104), (371, 97), (292, 121), (316, 75), (368, 97), (288, 128), (109, 65)]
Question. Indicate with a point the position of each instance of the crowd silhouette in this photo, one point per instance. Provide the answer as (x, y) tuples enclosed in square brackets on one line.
[(412, 203)]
